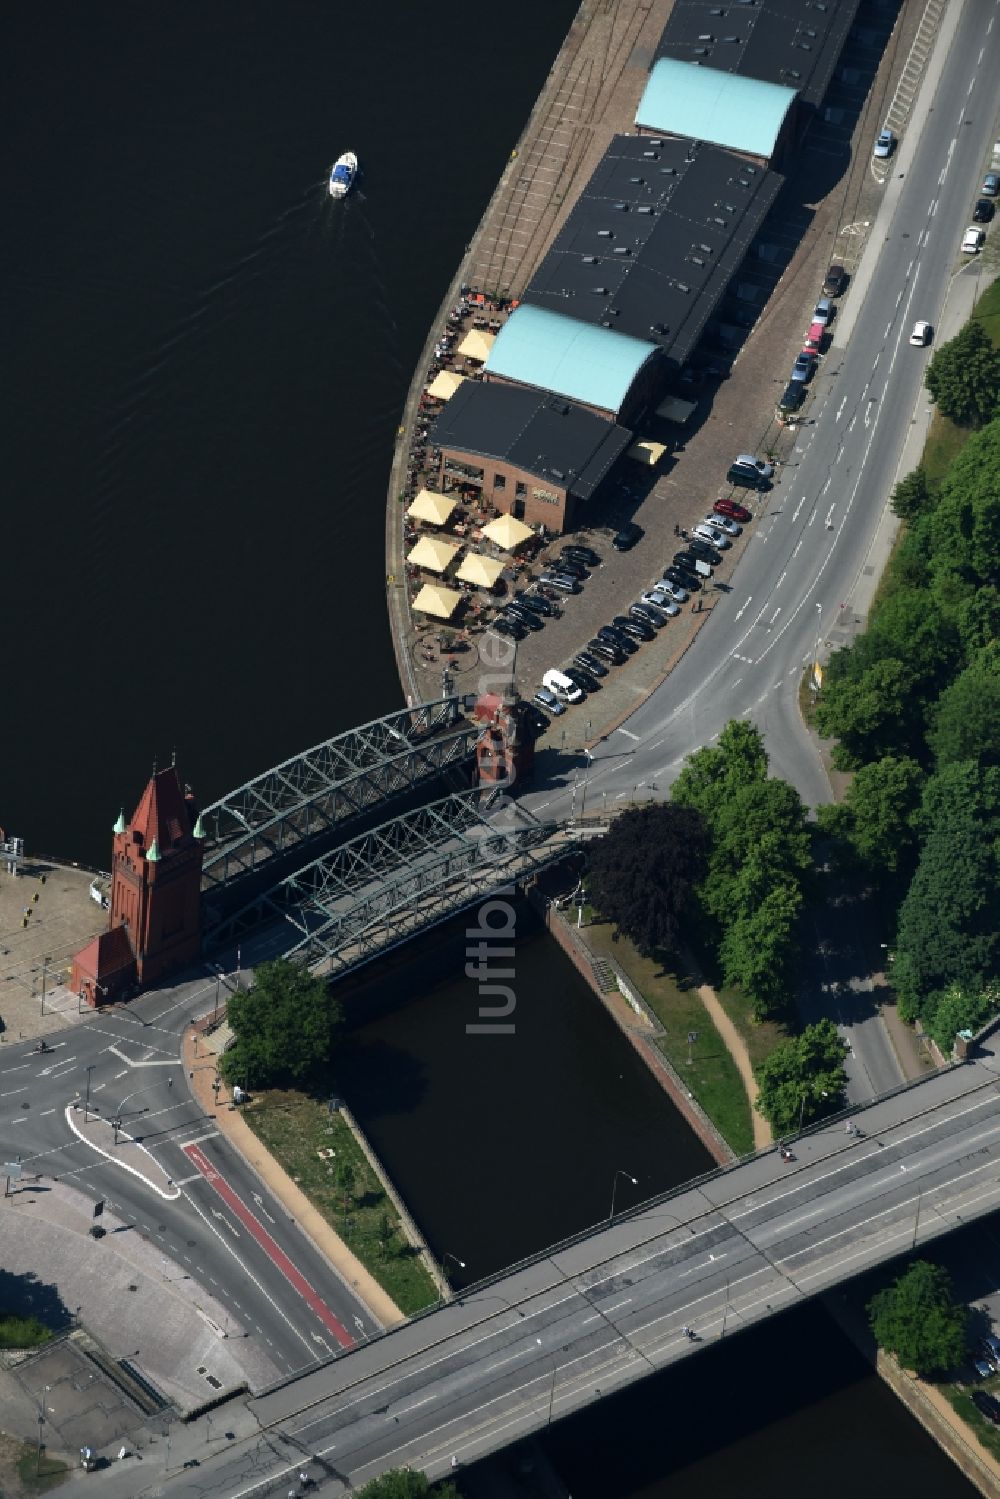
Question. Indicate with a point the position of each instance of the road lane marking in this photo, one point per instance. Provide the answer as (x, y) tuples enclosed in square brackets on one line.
[(628, 734), (273, 1250)]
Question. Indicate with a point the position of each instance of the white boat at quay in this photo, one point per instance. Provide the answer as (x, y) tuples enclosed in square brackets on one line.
[(345, 169)]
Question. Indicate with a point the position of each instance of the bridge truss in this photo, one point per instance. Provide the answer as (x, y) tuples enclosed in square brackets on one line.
[(409, 874), (314, 792)]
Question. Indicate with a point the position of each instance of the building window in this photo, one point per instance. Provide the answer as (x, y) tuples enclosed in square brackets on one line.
[(499, 481), (520, 489)]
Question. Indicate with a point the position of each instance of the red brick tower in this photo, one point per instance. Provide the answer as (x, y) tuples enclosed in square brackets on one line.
[(154, 924), (505, 749)]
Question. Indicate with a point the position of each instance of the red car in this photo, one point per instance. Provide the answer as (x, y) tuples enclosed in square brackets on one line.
[(734, 511)]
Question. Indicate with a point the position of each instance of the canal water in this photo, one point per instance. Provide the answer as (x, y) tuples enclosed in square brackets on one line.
[(501, 1144)]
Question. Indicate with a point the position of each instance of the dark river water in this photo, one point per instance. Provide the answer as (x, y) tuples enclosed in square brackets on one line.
[(205, 363)]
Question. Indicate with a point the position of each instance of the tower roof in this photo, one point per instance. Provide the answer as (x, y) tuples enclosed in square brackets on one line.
[(162, 815)]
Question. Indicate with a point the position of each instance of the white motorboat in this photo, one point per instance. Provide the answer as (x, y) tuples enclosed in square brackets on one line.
[(345, 169)]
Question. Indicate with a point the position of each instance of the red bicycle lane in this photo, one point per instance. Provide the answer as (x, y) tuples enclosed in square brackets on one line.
[(274, 1251)]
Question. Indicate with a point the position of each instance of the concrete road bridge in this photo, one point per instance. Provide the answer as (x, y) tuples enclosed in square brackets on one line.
[(589, 1316)]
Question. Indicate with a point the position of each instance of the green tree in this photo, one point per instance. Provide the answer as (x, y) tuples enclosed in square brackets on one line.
[(960, 1009), (802, 1078), (758, 948), (947, 929), (284, 1026), (965, 524), (384, 1235), (963, 376), (347, 1178), (401, 1483), (966, 717), (918, 1319), (877, 819), (911, 496), (642, 873), (870, 715), (712, 774)]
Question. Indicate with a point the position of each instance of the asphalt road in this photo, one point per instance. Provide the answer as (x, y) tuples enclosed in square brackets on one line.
[(811, 559), (593, 1316), (214, 1218)]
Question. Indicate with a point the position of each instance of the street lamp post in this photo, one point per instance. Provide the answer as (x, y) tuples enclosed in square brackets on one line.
[(614, 1188), (86, 1101), (446, 1254), (41, 1423), (916, 1220)]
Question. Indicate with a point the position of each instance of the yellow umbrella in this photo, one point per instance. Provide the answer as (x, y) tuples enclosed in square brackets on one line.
[(507, 532), (477, 345), (432, 599), (444, 385), (648, 453), (431, 506), (483, 571), (432, 554)]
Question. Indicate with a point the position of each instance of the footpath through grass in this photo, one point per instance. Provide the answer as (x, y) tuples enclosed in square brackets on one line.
[(984, 1431), (311, 1145), (713, 1076)]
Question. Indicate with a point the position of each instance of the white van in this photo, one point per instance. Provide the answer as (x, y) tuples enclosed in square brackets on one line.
[(563, 686)]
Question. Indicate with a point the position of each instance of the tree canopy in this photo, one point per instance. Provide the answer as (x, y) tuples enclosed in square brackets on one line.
[(642, 874), (911, 496), (963, 376), (960, 1009), (918, 1319), (965, 721), (402, 1483), (877, 818), (803, 1078), (284, 1026)]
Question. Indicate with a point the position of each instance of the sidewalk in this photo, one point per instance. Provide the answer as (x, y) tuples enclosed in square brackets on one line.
[(347, 1266), (737, 1049)]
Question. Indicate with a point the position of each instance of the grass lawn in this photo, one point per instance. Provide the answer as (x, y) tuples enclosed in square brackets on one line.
[(38, 1477), (22, 1332), (295, 1129), (986, 1433), (761, 1036), (713, 1077)]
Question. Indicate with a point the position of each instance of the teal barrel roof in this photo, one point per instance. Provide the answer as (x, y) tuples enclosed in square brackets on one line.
[(575, 360), (705, 104)]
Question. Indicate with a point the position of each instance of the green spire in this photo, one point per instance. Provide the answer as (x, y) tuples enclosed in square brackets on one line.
[(199, 831), (119, 826), (154, 853)]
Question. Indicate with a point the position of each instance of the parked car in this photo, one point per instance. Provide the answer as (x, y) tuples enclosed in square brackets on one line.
[(745, 478), (814, 338), (590, 663), (607, 648), (637, 629), (562, 581), (791, 398), (704, 551), (617, 637), (885, 144), (921, 335), (987, 1405), (586, 555), (512, 628), (983, 211), (625, 539), (836, 280), (805, 366), (688, 560), (548, 700), (723, 523), (534, 718), (675, 590), (564, 688), (684, 577), (972, 240), (585, 680), (991, 185), (759, 465), (524, 617), (536, 603), (734, 511), (823, 312), (658, 600), (567, 565), (984, 1369), (652, 614), (713, 535)]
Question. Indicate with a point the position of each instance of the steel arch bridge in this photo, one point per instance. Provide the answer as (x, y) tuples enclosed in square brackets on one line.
[(314, 792), (409, 874)]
